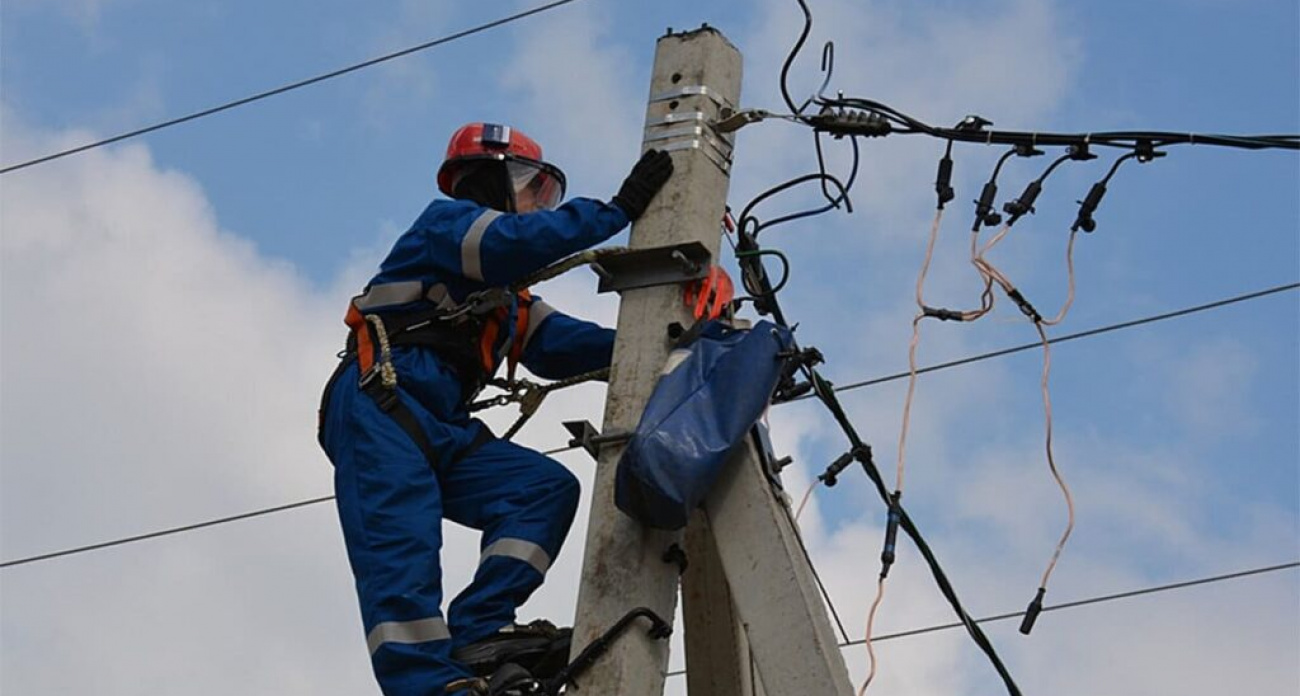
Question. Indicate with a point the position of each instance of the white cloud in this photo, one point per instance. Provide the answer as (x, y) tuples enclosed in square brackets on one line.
[(1209, 387), (582, 95), (158, 372)]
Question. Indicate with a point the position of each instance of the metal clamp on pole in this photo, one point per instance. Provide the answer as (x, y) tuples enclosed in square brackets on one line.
[(691, 129)]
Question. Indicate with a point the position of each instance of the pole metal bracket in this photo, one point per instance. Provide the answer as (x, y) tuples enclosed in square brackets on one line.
[(644, 268), (587, 437)]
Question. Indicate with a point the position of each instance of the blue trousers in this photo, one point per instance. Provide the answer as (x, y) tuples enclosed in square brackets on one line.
[(391, 505)]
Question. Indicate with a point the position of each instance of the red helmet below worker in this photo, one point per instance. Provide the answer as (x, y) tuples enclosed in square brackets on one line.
[(500, 167)]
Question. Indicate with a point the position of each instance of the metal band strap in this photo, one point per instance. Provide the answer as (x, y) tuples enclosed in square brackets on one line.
[(407, 632), (521, 550), (471, 260), (536, 315)]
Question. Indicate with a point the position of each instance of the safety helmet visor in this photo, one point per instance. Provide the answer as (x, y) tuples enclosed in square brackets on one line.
[(536, 185)]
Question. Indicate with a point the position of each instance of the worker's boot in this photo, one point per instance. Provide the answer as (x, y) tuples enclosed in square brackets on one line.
[(508, 680), (539, 647)]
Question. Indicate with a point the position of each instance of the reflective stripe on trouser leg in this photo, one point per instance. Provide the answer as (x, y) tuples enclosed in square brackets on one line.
[(390, 506), (519, 549), (525, 503), (407, 632)]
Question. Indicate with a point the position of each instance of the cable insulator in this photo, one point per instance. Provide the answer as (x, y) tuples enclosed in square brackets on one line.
[(1088, 206), (831, 476), (1025, 203), (1031, 614), (943, 181), (984, 213), (891, 534)]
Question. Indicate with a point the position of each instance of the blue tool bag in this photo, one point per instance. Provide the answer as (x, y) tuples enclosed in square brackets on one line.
[(711, 393)]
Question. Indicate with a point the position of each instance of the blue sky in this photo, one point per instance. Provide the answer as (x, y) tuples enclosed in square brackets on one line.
[(170, 306)]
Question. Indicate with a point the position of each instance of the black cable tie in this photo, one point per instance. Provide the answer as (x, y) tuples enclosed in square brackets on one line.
[(891, 534), (942, 314), (1023, 304), (831, 476), (1031, 614)]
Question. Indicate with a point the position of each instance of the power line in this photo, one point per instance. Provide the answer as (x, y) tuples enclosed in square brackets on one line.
[(1092, 600), (166, 532), (1071, 605), (1068, 337), (290, 87), (856, 385)]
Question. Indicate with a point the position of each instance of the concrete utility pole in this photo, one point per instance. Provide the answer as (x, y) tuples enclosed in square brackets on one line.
[(748, 589)]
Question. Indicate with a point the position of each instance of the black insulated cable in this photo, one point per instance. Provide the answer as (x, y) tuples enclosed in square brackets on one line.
[(746, 219), (985, 215), (1019, 207), (821, 167), (794, 52), (1088, 206)]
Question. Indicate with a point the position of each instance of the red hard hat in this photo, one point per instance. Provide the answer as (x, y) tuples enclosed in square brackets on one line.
[(522, 155)]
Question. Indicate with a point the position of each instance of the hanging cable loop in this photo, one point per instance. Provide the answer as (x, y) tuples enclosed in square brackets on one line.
[(746, 219)]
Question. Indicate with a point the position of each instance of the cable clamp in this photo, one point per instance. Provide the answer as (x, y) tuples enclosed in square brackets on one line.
[(1025, 307), (733, 121), (942, 314)]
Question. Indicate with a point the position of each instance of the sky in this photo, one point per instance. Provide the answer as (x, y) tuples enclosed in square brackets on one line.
[(171, 305)]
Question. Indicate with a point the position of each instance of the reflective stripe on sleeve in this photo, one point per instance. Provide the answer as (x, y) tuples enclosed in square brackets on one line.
[(389, 294), (525, 551), (407, 632), (537, 313), (471, 261)]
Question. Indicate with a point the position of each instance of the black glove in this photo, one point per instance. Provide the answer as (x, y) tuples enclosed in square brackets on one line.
[(647, 177)]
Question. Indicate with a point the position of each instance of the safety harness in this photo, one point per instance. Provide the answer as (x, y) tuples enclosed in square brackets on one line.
[(472, 338)]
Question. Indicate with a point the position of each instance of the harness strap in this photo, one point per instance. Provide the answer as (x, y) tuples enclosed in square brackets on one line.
[(522, 315), (365, 347), (389, 402)]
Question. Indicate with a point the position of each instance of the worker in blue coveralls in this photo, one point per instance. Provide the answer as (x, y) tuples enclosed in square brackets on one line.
[(426, 334)]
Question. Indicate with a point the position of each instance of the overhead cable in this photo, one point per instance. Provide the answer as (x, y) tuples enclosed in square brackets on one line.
[(839, 389), (1067, 337), (165, 532), (292, 86), (1100, 599)]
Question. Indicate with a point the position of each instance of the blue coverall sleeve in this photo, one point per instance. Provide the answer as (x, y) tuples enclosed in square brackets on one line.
[(561, 346), (515, 245)]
